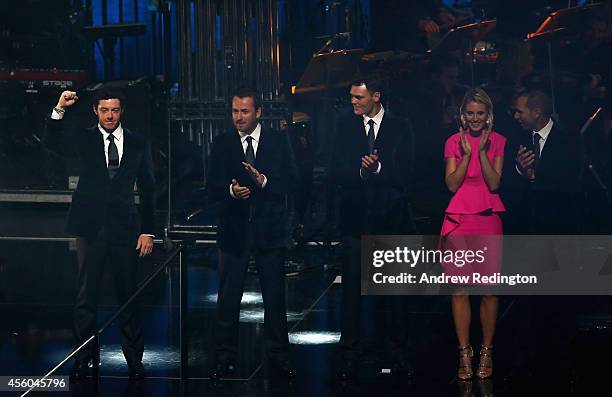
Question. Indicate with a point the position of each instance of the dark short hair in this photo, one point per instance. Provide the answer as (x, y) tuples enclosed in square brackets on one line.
[(537, 100), (108, 93), (249, 92), (373, 83)]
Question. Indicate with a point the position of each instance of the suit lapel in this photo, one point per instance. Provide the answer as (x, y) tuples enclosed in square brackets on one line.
[(96, 142), (381, 137), (128, 151), (236, 151), (361, 138), (549, 147), (262, 149)]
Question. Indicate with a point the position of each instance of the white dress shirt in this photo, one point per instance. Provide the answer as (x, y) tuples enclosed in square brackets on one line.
[(544, 132), (256, 134), (118, 133), (377, 121)]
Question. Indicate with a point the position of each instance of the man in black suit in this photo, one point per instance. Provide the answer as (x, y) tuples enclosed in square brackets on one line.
[(549, 164), (104, 218), (549, 161), (372, 163), (251, 173)]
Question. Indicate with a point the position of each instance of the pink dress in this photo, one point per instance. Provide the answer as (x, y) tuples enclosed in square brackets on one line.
[(471, 221)]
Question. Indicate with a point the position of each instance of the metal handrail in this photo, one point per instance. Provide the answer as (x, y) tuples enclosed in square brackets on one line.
[(143, 285)]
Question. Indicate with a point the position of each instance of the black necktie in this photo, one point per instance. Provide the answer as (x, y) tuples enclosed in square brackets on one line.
[(536, 148), (249, 156), (113, 157), (371, 137)]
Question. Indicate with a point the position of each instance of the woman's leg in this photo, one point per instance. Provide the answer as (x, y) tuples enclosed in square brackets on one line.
[(462, 315), (460, 302), (488, 320)]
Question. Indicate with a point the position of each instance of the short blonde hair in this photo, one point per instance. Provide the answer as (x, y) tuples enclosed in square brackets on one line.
[(477, 95)]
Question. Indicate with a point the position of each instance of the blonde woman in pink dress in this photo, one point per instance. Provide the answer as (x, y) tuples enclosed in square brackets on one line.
[(474, 158)]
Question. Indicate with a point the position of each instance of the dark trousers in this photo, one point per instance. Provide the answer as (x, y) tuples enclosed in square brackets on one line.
[(271, 270), (93, 256), (351, 308), (350, 319), (543, 326)]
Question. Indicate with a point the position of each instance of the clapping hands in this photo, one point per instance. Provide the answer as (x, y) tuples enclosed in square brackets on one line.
[(370, 162)]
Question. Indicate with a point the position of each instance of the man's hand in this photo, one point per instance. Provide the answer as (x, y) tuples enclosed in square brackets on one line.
[(525, 160), (240, 192), (67, 99), (369, 162), (428, 26), (257, 176), (144, 245)]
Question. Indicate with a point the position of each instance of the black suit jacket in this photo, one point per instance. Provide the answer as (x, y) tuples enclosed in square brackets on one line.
[(378, 204), (103, 202), (551, 204), (267, 207)]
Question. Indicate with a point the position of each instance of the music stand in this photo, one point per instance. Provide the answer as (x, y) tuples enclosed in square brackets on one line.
[(330, 70), (109, 35), (558, 21), (561, 19), (456, 37)]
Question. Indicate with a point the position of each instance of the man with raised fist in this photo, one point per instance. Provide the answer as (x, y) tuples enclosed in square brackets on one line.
[(110, 231)]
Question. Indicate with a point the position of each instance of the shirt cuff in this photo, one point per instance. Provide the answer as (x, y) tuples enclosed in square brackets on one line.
[(146, 234), (365, 176), (523, 175), (232, 192), (55, 115), (518, 170), (265, 181)]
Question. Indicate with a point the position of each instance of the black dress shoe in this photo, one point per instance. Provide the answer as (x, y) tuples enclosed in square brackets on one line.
[(136, 371), (283, 369), (221, 371)]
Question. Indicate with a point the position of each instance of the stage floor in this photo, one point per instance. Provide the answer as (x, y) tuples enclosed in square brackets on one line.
[(37, 288)]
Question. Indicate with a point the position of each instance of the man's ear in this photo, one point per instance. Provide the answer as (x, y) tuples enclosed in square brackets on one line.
[(258, 113), (95, 109), (376, 96), (538, 113)]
